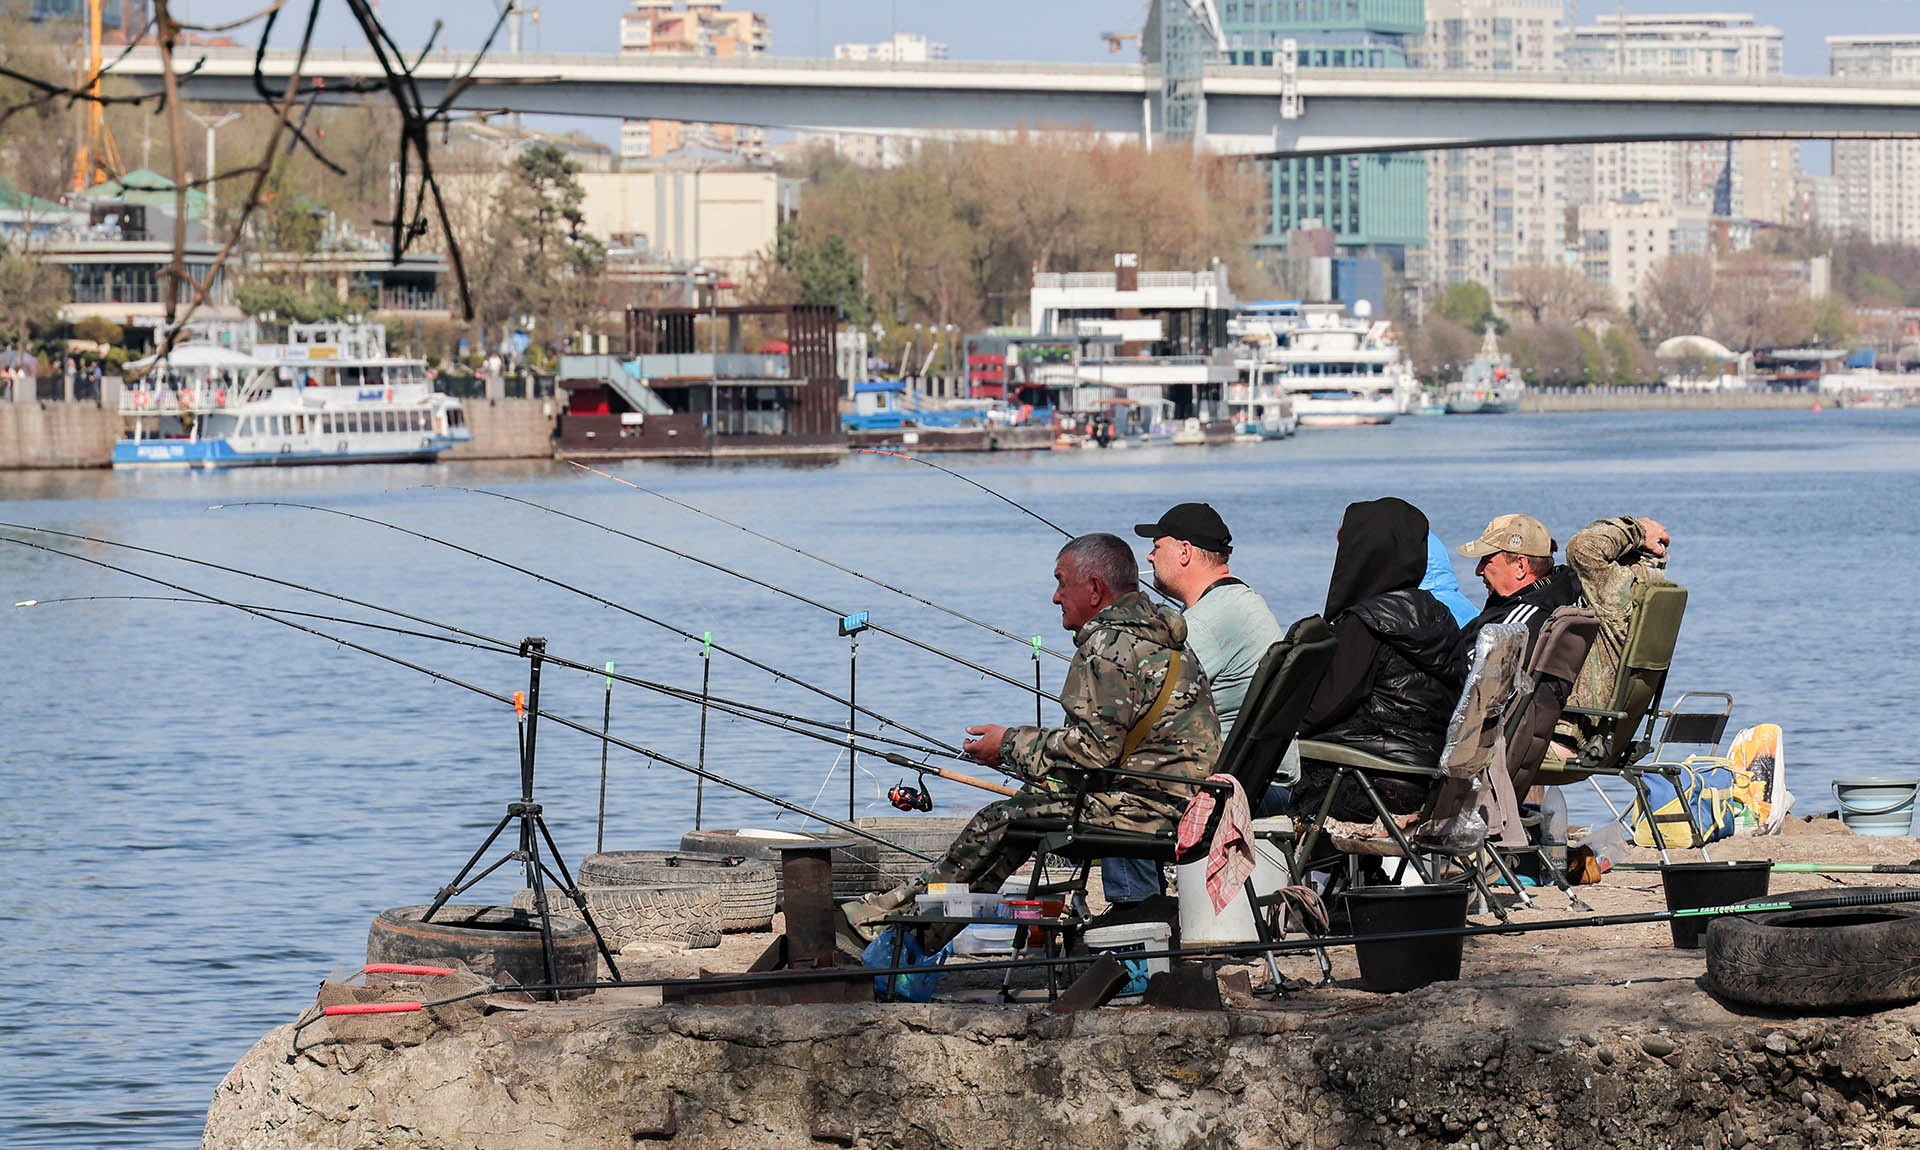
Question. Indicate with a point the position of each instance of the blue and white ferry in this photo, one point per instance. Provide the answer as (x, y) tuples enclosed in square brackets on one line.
[(329, 395)]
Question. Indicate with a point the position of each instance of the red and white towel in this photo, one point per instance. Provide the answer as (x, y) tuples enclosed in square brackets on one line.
[(1230, 857)]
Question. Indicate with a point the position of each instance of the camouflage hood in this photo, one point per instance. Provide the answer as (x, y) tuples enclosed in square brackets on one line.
[(1139, 618)]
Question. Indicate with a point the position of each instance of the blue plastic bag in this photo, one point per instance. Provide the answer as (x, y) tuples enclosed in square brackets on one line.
[(878, 955)]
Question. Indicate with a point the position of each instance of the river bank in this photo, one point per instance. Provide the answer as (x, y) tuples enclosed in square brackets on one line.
[(60, 435), (1602, 1036)]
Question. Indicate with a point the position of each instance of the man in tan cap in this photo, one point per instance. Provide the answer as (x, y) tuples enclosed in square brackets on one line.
[(1523, 584)]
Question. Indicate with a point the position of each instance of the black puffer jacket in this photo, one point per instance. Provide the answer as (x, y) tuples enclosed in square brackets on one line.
[(1391, 688), (1414, 684)]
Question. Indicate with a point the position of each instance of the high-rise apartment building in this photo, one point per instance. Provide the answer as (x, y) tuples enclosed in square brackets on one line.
[(1753, 179), (1374, 205), (694, 28), (1490, 210), (1877, 182)]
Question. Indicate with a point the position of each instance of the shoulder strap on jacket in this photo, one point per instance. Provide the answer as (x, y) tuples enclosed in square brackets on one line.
[(1146, 721)]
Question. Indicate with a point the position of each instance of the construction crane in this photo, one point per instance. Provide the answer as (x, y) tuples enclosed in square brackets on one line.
[(97, 153), (1116, 39)]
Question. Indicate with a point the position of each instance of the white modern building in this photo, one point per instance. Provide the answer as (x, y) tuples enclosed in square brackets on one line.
[(1752, 179), (1877, 181), (1162, 331), (1490, 210), (698, 207), (1621, 241)]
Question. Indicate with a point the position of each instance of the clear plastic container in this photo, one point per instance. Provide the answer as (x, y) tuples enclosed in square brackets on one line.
[(967, 904), (1553, 827)]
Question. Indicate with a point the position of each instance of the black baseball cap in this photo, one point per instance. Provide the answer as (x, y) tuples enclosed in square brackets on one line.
[(1196, 523)]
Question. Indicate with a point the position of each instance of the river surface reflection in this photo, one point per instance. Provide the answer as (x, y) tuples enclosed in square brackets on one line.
[(207, 809)]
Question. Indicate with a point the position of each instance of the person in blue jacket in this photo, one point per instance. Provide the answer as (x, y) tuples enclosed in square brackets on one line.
[(1442, 584)]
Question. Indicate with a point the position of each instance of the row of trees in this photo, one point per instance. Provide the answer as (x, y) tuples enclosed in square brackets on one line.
[(954, 235)]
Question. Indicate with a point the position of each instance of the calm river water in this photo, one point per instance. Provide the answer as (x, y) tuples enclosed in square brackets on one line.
[(206, 809)]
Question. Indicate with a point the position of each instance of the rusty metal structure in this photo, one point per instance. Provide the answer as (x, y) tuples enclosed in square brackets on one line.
[(691, 387)]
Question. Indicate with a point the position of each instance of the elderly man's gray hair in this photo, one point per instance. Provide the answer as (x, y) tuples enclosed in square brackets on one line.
[(1106, 557)]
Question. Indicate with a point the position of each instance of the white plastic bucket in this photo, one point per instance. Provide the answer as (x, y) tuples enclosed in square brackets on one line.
[(1200, 924), (1876, 806), (1120, 941)]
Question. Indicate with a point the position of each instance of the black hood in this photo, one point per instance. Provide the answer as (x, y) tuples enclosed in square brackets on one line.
[(1383, 547)]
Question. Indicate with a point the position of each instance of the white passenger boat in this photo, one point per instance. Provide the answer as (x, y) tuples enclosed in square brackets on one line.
[(1335, 370), (1490, 384), (330, 395)]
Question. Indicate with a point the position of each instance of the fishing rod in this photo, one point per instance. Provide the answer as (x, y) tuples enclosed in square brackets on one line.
[(778, 590), (601, 599), (506, 645), (1806, 867), (800, 551), (1203, 950), (767, 716), (969, 482), (506, 699), (1144, 585), (289, 584)]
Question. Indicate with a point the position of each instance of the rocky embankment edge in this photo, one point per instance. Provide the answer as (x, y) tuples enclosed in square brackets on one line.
[(1654, 1063)]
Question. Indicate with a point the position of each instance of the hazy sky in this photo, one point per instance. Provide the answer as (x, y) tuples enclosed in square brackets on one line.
[(977, 29), (995, 29)]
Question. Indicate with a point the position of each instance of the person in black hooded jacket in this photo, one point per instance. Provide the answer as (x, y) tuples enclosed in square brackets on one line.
[(1393, 683)]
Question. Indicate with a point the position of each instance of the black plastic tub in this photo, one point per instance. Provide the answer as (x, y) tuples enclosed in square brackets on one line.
[(1407, 965), (1690, 886)]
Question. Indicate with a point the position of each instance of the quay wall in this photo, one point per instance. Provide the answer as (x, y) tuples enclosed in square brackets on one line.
[(52, 433), (1637, 399), (508, 429), (1445, 1066)]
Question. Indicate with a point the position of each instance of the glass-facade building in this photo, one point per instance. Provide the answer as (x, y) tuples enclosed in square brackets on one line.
[(1375, 205)]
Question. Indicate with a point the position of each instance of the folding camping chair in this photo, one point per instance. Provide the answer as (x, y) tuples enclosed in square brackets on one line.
[(1277, 698), (1475, 746), (1619, 737)]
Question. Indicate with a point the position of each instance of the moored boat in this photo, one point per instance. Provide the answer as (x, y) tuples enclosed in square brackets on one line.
[(330, 396), (1489, 385)]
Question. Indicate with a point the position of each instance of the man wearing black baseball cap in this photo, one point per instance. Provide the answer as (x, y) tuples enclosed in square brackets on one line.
[(1229, 628)]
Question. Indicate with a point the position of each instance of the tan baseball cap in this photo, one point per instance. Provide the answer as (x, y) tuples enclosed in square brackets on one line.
[(1520, 534)]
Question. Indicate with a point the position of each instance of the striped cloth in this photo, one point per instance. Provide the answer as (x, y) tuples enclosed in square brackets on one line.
[(1230, 857)]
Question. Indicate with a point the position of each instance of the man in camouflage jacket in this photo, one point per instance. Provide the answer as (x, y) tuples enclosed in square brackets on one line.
[(1124, 647), (1611, 556)]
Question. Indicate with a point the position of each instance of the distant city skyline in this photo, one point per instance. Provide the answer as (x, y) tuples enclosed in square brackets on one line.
[(989, 29)]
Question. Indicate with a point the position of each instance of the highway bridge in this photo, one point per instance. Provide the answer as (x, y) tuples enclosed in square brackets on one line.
[(1248, 111)]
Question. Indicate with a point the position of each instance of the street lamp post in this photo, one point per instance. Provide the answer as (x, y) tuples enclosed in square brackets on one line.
[(211, 126)]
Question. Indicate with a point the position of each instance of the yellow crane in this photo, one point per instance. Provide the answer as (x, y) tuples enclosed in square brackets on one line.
[(97, 153), (1116, 39)]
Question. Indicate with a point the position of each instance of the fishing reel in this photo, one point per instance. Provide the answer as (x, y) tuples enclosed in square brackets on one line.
[(910, 798)]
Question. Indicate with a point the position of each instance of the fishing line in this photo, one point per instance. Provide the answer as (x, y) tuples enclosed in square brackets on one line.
[(1144, 586), (498, 697), (970, 483), (508, 646), (661, 623), (778, 590), (884, 586), (488, 646), (766, 716)]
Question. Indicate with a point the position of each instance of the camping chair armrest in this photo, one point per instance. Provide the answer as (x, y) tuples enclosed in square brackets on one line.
[(1343, 756), (1155, 776), (1595, 712)]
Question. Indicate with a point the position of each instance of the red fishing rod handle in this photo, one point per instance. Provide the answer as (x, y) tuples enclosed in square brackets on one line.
[(404, 968), (373, 1008)]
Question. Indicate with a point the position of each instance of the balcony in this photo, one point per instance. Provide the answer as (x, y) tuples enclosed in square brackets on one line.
[(411, 299), (703, 366)]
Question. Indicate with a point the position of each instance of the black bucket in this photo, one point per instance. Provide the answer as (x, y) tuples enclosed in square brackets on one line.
[(1386, 966), (1693, 885)]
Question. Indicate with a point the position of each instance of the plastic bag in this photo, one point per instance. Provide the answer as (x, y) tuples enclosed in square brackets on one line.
[(879, 953)]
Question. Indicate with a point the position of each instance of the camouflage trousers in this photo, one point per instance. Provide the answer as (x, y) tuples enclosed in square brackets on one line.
[(983, 855)]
